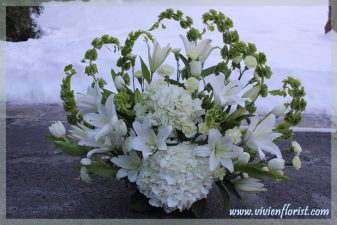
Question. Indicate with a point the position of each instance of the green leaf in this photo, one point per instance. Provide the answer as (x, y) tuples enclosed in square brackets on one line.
[(145, 71), (254, 170), (72, 148), (113, 74), (68, 67), (198, 207), (224, 194), (102, 169), (52, 138), (208, 71), (230, 188), (91, 54), (175, 82), (140, 203), (185, 61)]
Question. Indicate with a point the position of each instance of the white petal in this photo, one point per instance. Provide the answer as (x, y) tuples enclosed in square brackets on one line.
[(121, 173), (202, 150), (102, 132), (266, 125), (137, 127), (139, 143), (203, 46), (253, 122), (213, 137), (228, 163), (164, 133), (261, 154), (132, 176), (94, 119), (213, 162)]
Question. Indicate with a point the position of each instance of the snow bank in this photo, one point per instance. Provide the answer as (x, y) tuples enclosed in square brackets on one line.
[(292, 37)]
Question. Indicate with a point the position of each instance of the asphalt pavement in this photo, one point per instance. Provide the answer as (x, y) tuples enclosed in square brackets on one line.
[(43, 183)]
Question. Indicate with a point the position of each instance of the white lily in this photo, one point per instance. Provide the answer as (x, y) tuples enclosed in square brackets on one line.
[(79, 132), (249, 184), (146, 140), (90, 100), (57, 129), (129, 165), (227, 94), (260, 136), (102, 145), (106, 120), (197, 52), (220, 150), (158, 55)]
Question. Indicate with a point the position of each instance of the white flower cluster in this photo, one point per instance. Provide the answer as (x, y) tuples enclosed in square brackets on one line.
[(175, 137), (176, 178), (170, 105)]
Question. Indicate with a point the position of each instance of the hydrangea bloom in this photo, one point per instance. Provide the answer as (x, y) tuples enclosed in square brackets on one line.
[(175, 179), (170, 105)]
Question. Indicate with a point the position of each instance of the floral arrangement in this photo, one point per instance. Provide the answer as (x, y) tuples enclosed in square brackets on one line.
[(173, 132)]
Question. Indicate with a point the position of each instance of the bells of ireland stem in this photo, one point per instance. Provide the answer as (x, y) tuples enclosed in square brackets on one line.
[(196, 68), (158, 55)]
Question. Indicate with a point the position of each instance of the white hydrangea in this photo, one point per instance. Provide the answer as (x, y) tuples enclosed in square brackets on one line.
[(170, 105), (176, 178)]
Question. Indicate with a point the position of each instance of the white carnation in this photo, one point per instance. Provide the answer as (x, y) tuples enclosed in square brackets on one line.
[(191, 84), (165, 70), (175, 179)]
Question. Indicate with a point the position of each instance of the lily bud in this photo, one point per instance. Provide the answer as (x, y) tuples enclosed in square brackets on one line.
[(119, 83), (57, 130), (296, 147), (85, 162), (279, 110), (297, 164), (196, 68), (252, 93), (276, 164), (243, 158), (250, 184)]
